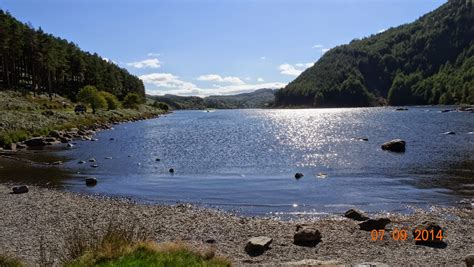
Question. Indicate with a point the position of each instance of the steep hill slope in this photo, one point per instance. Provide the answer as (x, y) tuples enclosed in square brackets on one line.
[(429, 61)]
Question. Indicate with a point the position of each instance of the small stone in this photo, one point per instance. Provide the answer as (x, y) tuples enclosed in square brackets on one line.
[(298, 175), (81, 162), (306, 236), (111, 139), (57, 163), (396, 145), (171, 170), (355, 215), (70, 145), (469, 260), (158, 160), (371, 264), (94, 166), (20, 189), (92, 160), (91, 181), (257, 245), (449, 133), (210, 241), (374, 224), (108, 157)]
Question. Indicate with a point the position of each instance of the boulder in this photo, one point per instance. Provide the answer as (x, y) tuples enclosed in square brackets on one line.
[(396, 145), (55, 134), (469, 260), (356, 215), (433, 232), (20, 189), (257, 245), (11, 146), (36, 141), (298, 175), (306, 236), (91, 181), (448, 133), (374, 224)]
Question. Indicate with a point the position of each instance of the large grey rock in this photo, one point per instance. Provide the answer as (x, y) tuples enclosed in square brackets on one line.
[(469, 260), (374, 224), (433, 232), (20, 189), (257, 245), (371, 264), (36, 141), (356, 215), (396, 145), (306, 236)]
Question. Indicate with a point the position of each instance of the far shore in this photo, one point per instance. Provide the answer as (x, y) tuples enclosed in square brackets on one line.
[(40, 222)]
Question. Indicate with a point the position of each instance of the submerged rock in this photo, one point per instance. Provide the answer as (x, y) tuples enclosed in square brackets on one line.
[(447, 133), (81, 162), (401, 109), (171, 170), (306, 236), (257, 245), (91, 181), (396, 145), (92, 160), (374, 224), (20, 189), (356, 215), (94, 166), (298, 175)]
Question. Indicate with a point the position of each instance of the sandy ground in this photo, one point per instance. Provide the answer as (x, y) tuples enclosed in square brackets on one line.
[(44, 219)]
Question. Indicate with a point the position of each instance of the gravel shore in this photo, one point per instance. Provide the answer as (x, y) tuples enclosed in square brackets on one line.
[(42, 219)]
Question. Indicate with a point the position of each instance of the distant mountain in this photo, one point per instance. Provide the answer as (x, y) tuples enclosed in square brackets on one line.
[(429, 61), (258, 99)]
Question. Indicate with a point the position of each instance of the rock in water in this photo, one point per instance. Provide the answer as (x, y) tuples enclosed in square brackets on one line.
[(298, 175), (374, 224), (171, 170), (429, 233), (469, 260), (20, 189), (396, 145), (37, 141), (257, 245), (306, 236), (91, 181), (448, 133), (92, 160), (356, 215)]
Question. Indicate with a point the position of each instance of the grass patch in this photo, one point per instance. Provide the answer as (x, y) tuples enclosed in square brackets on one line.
[(127, 244), (6, 261)]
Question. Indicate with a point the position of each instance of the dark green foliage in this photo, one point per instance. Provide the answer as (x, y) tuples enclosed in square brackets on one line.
[(34, 61), (89, 95), (258, 99), (132, 100), (161, 105), (429, 61)]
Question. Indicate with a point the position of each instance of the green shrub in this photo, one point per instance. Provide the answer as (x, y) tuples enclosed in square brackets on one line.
[(89, 95), (9, 137), (112, 101), (161, 105), (6, 261), (132, 100)]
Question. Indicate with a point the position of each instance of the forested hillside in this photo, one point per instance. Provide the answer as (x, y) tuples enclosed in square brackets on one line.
[(258, 99), (34, 61), (429, 61)]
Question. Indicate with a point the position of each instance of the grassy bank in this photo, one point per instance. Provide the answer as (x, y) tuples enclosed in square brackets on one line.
[(24, 116)]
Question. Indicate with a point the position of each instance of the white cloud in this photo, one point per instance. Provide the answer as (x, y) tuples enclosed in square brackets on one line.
[(325, 50), (167, 83), (318, 46), (248, 78), (260, 80), (220, 79), (382, 30), (152, 54), (263, 58), (293, 70), (147, 63)]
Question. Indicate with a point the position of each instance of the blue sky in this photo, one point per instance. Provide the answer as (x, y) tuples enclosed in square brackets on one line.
[(191, 47)]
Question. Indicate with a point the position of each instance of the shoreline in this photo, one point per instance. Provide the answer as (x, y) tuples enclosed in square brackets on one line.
[(43, 218)]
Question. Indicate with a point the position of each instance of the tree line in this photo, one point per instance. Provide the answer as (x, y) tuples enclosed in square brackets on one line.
[(34, 61), (429, 61)]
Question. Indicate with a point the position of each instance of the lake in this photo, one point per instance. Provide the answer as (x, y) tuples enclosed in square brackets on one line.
[(244, 161)]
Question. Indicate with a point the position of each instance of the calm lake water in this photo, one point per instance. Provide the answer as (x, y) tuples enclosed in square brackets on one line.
[(245, 160)]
